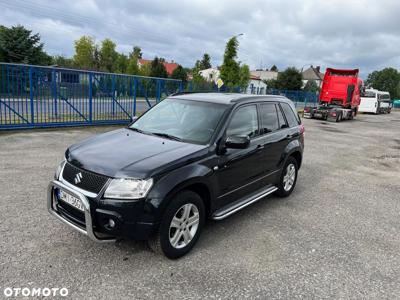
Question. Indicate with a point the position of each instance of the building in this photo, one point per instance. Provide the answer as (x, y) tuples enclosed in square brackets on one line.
[(265, 75), (313, 73), (169, 66), (211, 74), (256, 86)]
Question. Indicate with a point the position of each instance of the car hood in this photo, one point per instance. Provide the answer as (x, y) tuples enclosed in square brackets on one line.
[(126, 153)]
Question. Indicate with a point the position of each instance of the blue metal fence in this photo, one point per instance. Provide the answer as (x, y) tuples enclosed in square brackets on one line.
[(36, 96), (300, 98)]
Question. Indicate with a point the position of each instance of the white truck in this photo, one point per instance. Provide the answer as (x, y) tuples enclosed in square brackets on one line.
[(375, 101)]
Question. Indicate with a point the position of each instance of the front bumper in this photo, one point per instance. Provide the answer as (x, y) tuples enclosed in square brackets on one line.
[(88, 228), (133, 220)]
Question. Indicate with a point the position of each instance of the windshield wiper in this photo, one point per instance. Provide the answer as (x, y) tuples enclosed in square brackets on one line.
[(166, 135), (138, 130)]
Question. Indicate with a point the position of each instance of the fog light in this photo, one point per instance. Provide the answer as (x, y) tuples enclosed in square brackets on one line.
[(111, 223)]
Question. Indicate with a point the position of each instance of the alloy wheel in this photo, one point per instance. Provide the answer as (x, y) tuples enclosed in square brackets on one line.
[(289, 177), (184, 226)]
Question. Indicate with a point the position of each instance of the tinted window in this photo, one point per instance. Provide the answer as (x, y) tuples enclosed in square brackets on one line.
[(269, 118), (282, 122), (244, 122), (292, 119)]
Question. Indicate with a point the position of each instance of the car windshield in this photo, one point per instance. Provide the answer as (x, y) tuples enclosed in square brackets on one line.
[(183, 120), (368, 94)]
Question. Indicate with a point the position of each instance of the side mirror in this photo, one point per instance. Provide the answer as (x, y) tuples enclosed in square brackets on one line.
[(133, 119), (237, 142)]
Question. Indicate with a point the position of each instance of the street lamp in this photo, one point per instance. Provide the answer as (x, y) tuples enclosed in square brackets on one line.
[(240, 34)]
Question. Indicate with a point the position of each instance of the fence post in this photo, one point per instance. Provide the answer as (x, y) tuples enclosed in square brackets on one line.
[(90, 98), (54, 91), (158, 90), (113, 94), (135, 86), (31, 95)]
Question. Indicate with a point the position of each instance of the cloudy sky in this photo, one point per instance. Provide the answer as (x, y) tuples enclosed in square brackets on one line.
[(338, 33)]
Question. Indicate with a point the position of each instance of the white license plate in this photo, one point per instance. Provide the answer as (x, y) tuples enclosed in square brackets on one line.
[(71, 200), (318, 115)]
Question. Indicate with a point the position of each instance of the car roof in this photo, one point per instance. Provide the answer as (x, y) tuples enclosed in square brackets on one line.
[(227, 98)]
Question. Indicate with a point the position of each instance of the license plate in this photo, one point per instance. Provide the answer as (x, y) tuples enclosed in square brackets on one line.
[(71, 200), (318, 115)]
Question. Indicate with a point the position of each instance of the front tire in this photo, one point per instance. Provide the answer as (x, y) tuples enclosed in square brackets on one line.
[(181, 225), (288, 178)]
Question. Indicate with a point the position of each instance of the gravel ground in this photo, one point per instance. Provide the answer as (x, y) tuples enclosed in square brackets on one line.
[(337, 236)]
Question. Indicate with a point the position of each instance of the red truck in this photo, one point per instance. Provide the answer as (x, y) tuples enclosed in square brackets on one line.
[(339, 97)]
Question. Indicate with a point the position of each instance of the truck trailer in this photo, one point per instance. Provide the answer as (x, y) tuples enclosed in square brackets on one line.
[(339, 97)]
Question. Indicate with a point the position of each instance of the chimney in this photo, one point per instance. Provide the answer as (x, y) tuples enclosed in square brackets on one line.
[(318, 68)]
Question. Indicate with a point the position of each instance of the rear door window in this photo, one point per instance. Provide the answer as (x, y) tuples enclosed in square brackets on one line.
[(269, 118), (292, 118)]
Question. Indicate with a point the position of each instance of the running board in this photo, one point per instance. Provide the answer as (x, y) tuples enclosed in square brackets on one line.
[(238, 205)]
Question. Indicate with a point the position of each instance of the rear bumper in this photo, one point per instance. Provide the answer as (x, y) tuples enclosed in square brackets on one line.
[(96, 220)]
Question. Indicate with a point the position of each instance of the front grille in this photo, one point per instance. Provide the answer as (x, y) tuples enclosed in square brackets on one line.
[(89, 181), (72, 214)]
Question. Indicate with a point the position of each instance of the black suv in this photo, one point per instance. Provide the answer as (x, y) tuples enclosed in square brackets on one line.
[(189, 158)]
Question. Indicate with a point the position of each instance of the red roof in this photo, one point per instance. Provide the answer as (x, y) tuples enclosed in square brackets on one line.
[(170, 67)]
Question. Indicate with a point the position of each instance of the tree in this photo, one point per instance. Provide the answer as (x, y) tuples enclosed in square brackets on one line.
[(19, 45), (136, 52), (132, 68), (244, 75), (108, 56), (122, 63), (387, 79), (230, 68), (157, 69), (179, 73), (272, 83), (274, 68), (84, 57), (311, 86), (206, 61), (62, 61), (2, 51), (290, 79)]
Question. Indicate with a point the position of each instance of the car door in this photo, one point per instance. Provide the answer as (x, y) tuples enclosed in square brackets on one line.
[(239, 169), (274, 139)]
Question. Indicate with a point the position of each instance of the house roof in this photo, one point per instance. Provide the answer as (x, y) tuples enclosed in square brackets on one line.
[(265, 75), (169, 66), (312, 73), (254, 77)]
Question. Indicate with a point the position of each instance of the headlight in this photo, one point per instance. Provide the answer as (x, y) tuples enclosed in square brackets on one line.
[(59, 169), (128, 188)]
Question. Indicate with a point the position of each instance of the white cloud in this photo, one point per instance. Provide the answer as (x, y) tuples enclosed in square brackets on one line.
[(338, 33)]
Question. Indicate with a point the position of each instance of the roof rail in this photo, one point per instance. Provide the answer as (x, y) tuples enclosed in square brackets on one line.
[(181, 93)]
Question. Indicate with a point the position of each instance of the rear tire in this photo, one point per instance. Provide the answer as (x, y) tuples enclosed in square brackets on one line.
[(288, 178), (180, 227)]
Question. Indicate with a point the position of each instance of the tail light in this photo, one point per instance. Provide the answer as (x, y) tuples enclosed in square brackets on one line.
[(307, 109), (302, 129)]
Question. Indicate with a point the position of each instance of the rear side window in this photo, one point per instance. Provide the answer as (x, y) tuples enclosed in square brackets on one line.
[(292, 118), (244, 122), (282, 122), (269, 118)]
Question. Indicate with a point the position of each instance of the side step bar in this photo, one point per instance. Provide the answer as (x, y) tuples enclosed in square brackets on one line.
[(238, 205)]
